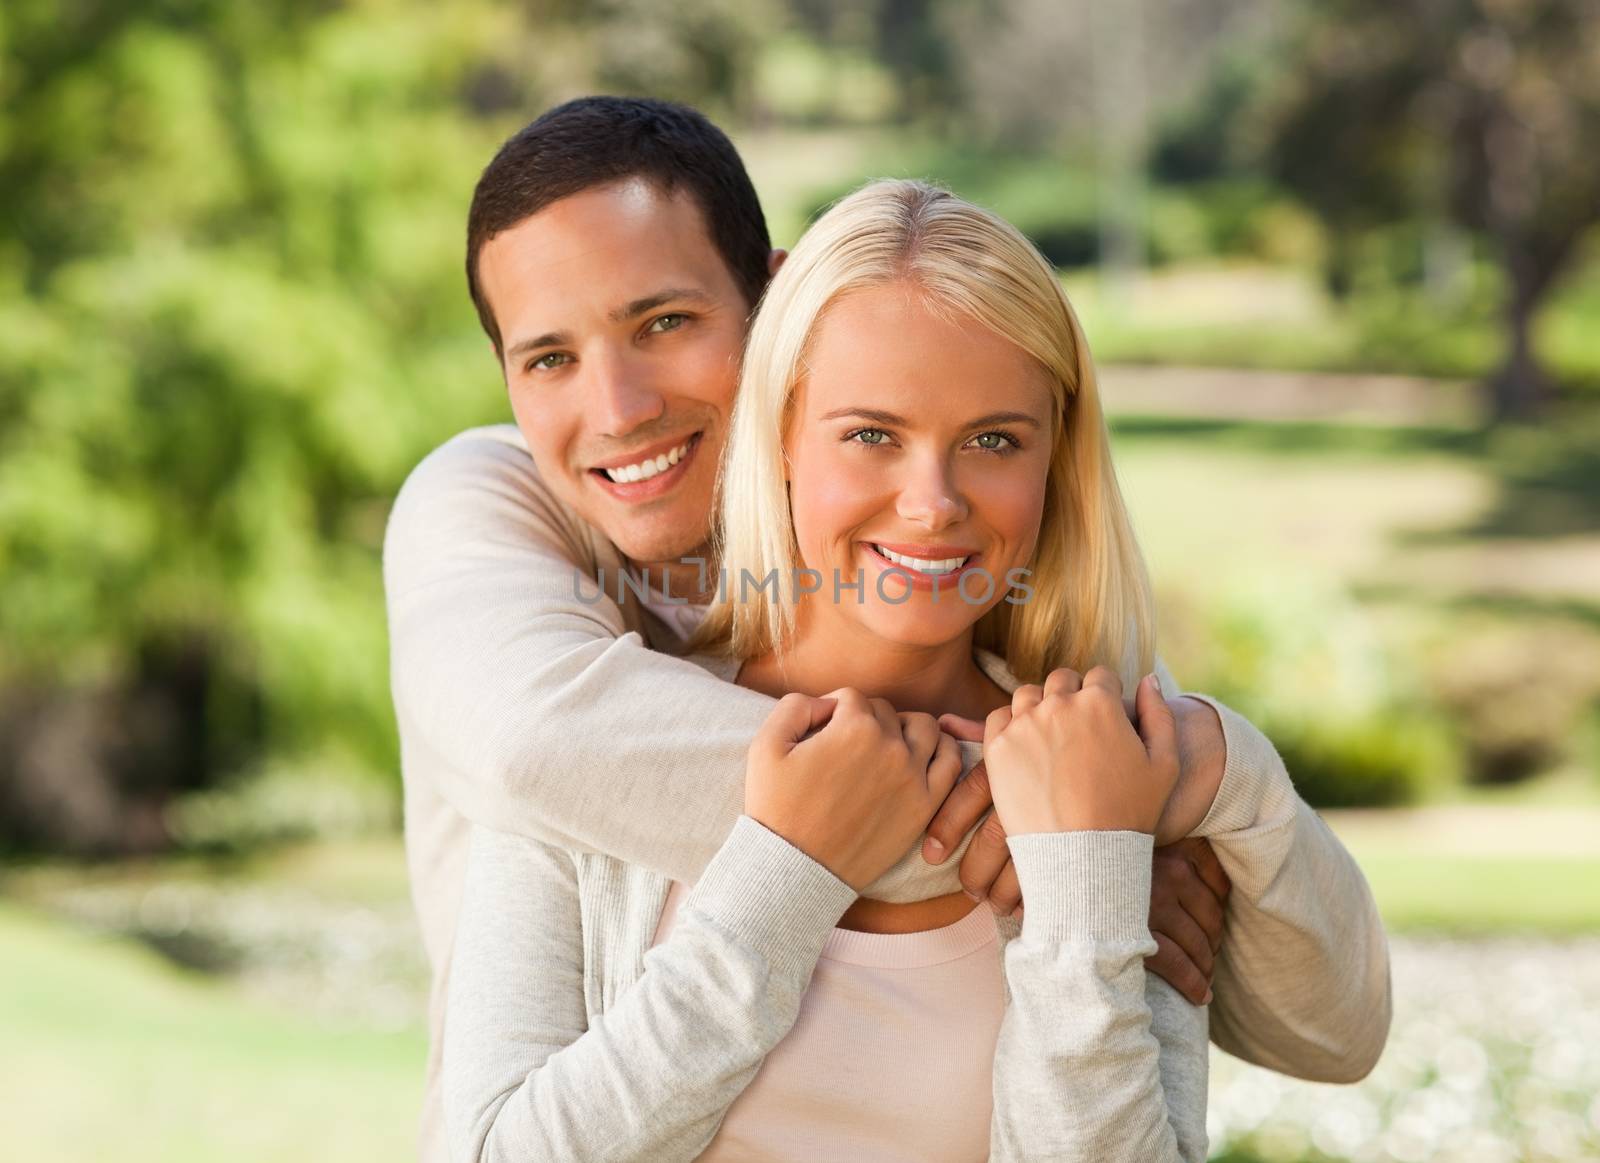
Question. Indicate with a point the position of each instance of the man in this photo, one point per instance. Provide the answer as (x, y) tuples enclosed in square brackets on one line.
[(615, 252)]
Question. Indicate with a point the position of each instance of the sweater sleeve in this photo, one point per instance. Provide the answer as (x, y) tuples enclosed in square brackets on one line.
[(1302, 983), (1097, 1060), (527, 1077), (518, 685)]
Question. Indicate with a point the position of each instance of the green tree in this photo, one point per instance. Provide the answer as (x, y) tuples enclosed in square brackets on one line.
[(231, 318), (1483, 113)]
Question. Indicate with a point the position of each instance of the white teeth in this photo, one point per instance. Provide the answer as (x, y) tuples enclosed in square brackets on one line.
[(646, 469), (922, 565)]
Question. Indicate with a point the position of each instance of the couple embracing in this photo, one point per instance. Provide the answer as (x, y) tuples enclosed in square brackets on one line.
[(916, 854)]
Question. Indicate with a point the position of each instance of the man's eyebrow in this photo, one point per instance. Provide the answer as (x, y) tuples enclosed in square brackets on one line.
[(548, 339), (650, 302), (878, 417), (621, 315)]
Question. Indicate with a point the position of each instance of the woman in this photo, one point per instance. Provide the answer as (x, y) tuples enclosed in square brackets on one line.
[(917, 430)]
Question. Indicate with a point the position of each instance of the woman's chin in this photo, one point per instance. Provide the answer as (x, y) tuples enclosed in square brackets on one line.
[(918, 628)]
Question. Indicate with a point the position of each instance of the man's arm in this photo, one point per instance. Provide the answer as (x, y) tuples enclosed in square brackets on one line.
[(1302, 981), (545, 717)]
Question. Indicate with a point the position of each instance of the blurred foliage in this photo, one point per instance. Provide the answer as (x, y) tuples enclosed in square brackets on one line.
[(1477, 115), (231, 321), (1307, 665), (232, 314)]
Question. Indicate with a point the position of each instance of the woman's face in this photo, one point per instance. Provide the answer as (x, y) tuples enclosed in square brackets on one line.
[(918, 453)]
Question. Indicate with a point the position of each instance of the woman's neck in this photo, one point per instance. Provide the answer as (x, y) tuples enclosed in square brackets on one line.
[(935, 679)]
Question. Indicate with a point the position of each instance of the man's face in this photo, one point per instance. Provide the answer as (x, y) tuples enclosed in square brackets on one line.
[(622, 329)]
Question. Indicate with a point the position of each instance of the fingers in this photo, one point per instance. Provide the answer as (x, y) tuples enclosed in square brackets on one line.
[(1005, 894), (961, 810), (985, 857), (1025, 698), (1204, 908), (967, 730), (1105, 678), (1199, 853), (1063, 681), (1157, 727), (922, 735), (795, 717), (888, 718), (1173, 966), (999, 719), (1169, 917), (945, 768)]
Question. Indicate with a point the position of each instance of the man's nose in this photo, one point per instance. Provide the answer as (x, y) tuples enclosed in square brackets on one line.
[(622, 396), (930, 496)]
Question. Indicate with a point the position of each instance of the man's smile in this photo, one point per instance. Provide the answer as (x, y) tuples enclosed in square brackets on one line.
[(649, 472)]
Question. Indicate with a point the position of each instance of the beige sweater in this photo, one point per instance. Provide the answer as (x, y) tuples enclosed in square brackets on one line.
[(529, 711)]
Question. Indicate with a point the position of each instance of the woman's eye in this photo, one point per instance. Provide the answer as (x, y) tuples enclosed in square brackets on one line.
[(549, 362), (668, 323), (868, 436), (994, 441)]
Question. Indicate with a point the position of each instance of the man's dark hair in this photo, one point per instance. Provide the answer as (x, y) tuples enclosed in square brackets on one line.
[(593, 141)]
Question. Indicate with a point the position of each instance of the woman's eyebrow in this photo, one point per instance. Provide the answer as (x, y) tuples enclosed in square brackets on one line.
[(878, 417), (1004, 418), (866, 414)]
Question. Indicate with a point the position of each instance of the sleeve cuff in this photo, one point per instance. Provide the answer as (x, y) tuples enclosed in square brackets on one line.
[(772, 896), (1085, 886), (1252, 775)]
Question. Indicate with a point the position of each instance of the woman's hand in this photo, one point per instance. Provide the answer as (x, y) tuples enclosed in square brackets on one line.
[(857, 793), (1064, 758)]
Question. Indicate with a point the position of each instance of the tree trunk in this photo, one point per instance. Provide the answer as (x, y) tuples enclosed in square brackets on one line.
[(1518, 391)]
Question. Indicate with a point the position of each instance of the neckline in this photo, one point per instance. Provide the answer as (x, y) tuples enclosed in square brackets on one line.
[(912, 950)]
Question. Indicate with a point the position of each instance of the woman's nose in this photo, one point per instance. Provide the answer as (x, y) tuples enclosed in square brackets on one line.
[(931, 498)]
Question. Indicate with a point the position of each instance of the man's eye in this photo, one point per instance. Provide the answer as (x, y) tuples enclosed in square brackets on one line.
[(868, 436), (550, 362), (668, 323)]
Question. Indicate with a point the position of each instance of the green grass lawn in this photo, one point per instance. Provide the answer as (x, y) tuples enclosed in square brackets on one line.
[(1485, 895), (1480, 869), (111, 1053)]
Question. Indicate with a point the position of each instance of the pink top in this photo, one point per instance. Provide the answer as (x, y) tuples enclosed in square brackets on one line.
[(891, 1058)]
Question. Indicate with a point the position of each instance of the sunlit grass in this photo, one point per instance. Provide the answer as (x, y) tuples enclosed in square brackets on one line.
[(111, 1053)]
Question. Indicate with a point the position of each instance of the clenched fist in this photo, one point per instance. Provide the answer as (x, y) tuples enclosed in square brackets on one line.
[(1065, 758), (855, 795)]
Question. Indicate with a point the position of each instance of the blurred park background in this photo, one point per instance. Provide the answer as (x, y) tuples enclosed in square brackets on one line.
[(1339, 263)]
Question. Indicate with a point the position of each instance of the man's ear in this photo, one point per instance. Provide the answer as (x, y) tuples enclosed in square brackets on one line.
[(775, 259)]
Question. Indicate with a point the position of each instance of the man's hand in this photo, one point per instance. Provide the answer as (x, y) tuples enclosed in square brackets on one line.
[(1202, 756), (1188, 896), (986, 869)]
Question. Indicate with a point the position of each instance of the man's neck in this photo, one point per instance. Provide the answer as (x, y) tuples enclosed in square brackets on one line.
[(695, 583)]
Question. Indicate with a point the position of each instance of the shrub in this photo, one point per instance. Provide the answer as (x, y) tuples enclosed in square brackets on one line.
[(1303, 661)]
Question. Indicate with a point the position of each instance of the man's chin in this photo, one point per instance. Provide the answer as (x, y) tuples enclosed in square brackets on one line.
[(659, 550)]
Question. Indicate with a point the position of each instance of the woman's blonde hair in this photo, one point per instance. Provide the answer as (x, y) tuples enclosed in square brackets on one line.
[(1091, 601)]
